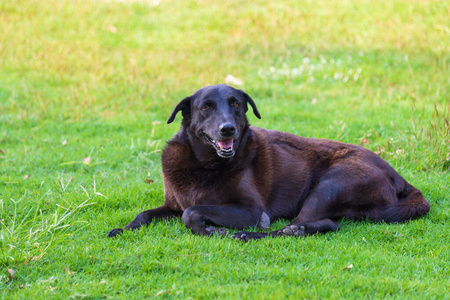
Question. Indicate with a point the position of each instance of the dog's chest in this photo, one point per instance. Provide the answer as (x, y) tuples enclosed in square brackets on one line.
[(201, 187)]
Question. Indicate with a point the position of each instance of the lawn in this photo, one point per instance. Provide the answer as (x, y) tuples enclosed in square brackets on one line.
[(86, 88)]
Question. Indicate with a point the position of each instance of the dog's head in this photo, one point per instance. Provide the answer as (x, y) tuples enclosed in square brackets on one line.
[(216, 115)]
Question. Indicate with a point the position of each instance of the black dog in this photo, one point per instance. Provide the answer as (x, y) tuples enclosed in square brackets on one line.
[(219, 171)]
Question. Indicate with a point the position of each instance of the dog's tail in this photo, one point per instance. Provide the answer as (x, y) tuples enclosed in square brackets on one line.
[(411, 205)]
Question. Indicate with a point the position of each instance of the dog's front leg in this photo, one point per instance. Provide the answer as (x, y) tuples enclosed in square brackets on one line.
[(202, 219), (146, 217)]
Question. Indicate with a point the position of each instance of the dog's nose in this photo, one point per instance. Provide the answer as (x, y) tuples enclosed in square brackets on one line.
[(227, 129)]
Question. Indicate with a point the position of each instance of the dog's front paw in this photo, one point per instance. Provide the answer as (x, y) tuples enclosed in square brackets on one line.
[(293, 230), (241, 236), (115, 232)]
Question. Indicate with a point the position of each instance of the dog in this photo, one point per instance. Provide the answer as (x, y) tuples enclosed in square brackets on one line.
[(219, 171)]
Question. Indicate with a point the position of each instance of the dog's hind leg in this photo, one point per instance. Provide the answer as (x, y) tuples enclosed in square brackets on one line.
[(146, 217), (314, 216), (203, 219), (293, 229)]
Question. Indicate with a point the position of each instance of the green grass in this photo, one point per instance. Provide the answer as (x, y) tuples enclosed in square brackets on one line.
[(98, 80)]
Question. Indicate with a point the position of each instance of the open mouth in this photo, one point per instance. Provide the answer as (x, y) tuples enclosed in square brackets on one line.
[(224, 148)]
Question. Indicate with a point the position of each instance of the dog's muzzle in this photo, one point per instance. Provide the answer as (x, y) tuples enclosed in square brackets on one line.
[(224, 148)]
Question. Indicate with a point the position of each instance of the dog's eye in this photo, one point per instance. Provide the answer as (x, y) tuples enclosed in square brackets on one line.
[(235, 104), (206, 107)]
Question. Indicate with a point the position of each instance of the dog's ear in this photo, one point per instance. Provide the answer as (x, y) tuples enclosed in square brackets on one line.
[(184, 106), (250, 101)]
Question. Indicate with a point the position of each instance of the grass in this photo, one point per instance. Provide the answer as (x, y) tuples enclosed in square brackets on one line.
[(86, 88)]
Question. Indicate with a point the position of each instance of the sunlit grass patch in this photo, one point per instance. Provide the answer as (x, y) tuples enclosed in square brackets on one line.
[(30, 229)]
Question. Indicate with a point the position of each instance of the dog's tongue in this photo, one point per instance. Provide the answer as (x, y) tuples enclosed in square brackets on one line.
[(225, 144)]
